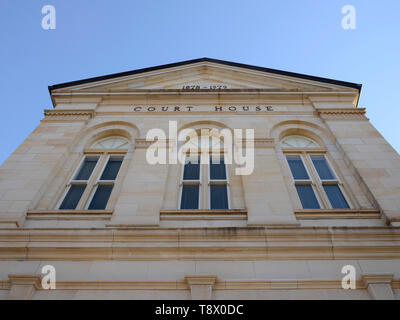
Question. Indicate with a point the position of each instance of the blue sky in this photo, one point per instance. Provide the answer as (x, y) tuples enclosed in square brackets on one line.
[(94, 38)]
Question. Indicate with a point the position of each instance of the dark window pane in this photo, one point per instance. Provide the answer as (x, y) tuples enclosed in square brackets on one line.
[(111, 170), (219, 196), (217, 169), (190, 197), (86, 169), (336, 197), (73, 196), (192, 170), (322, 167), (296, 165), (307, 197), (100, 198)]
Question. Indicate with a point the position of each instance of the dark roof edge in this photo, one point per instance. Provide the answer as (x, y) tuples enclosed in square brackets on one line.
[(228, 63)]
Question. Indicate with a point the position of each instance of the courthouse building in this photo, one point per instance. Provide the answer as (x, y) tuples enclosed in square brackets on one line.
[(321, 205)]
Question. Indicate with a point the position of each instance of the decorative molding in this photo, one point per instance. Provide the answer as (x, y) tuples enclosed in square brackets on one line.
[(201, 286), (143, 143), (162, 143), (342, 114), (68, 115), (241, 243), (379, 286), (317, 214), (368, 279), (204, 212), (258, 143), (26, 279), (5, 285), (304, 150), (9, 223), (190, 215), (184, 284), (208, 280), (108, 151), (69, 214), (160, 91), (262, 143)]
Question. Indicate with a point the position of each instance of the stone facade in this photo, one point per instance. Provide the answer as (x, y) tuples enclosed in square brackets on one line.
[(142, 246)]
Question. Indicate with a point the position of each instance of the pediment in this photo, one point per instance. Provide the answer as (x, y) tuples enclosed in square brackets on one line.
[(204, 74)]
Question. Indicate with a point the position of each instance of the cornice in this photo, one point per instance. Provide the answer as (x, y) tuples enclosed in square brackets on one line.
[(267, 243), (247, 91), (182, 284), (68, 115), (342, 114)]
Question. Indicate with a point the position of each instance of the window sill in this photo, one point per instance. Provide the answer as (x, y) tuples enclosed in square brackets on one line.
[(204, 214), (204, 211), (309, 214), (69, 214)]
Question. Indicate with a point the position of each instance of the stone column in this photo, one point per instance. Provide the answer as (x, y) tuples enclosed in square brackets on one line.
[(379, 286), (376, 162), (141, 196), (25, 174), (201, 286), (266, 196), (23, 287)]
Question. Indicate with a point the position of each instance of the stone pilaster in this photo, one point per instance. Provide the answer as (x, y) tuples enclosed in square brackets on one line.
[(266, 197), (25, 174), (376, 162), (142, 192)]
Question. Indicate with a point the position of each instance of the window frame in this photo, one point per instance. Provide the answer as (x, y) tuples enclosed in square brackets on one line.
[(218, 182), (72, 181), (98, 182), (103, 156), (308, 181), (316, 182), (190, 182), (204, 181), (336, 181)]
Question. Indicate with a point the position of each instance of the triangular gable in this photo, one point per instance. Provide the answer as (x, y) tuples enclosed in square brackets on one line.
[(205, 74)]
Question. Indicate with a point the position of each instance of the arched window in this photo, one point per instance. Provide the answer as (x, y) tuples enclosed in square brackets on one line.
[(91, 184), (317, 185), (298, 142), (111, 143)]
